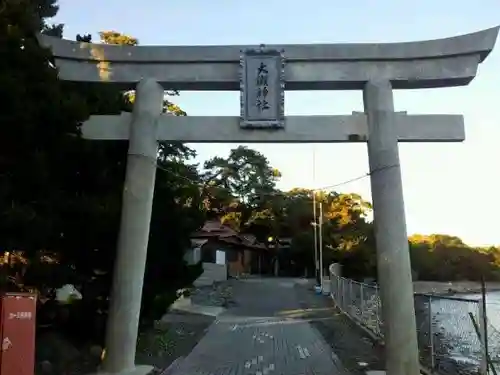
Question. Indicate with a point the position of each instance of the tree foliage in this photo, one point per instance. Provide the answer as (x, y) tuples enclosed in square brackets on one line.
[(446, 258), (244, 196), (33, 131), (61, 194), (246, 174)]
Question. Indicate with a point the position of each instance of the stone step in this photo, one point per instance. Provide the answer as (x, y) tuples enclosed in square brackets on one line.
[(204, 279), (173, 366), (203, 282)]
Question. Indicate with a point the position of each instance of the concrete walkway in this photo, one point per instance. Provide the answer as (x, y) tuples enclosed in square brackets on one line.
[(263, 335)]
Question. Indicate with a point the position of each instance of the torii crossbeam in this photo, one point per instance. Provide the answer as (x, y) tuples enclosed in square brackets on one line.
[(298, 129)]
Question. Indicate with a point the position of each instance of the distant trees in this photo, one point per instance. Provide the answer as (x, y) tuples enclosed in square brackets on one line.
[(242, 193), (447, 258)]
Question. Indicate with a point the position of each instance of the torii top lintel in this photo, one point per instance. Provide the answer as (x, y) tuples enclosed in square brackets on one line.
[(423, 64)]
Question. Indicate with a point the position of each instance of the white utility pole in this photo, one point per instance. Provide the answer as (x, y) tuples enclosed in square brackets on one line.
[(321, 243), (314, 225), (315, 221)]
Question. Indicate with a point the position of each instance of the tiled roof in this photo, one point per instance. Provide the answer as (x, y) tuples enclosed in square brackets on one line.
[(213, 228)]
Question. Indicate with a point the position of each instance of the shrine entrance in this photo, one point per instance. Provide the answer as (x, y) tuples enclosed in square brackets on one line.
[(261, 74)]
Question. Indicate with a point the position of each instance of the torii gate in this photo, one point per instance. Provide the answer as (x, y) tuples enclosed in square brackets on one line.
[(261, 75)]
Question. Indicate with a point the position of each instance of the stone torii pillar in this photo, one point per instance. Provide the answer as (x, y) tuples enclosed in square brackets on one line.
[(393, 259), (128, 277)]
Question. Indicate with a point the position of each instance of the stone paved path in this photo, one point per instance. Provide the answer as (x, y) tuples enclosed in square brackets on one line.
[(262, 335)]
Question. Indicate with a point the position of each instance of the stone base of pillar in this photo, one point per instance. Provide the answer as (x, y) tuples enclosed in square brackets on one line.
[(138, 370)]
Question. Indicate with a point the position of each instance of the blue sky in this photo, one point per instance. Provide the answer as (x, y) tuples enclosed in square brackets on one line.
[(448, 188)]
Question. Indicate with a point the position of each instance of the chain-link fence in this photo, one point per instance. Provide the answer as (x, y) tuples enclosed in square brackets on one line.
[(448, 342)]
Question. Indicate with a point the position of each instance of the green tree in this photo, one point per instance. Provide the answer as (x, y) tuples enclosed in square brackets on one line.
[(34, 132), (447, 258), (176, 196), (63, 193), (239, 190), (245, 173)]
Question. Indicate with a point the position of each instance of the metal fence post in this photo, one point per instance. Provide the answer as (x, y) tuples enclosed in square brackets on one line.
[(341, 292), (482, 331), (377, 312), (332, 279), (337, 292), (351, 304), (336, 289), (362, 302), (346, 294), (431, 336)]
